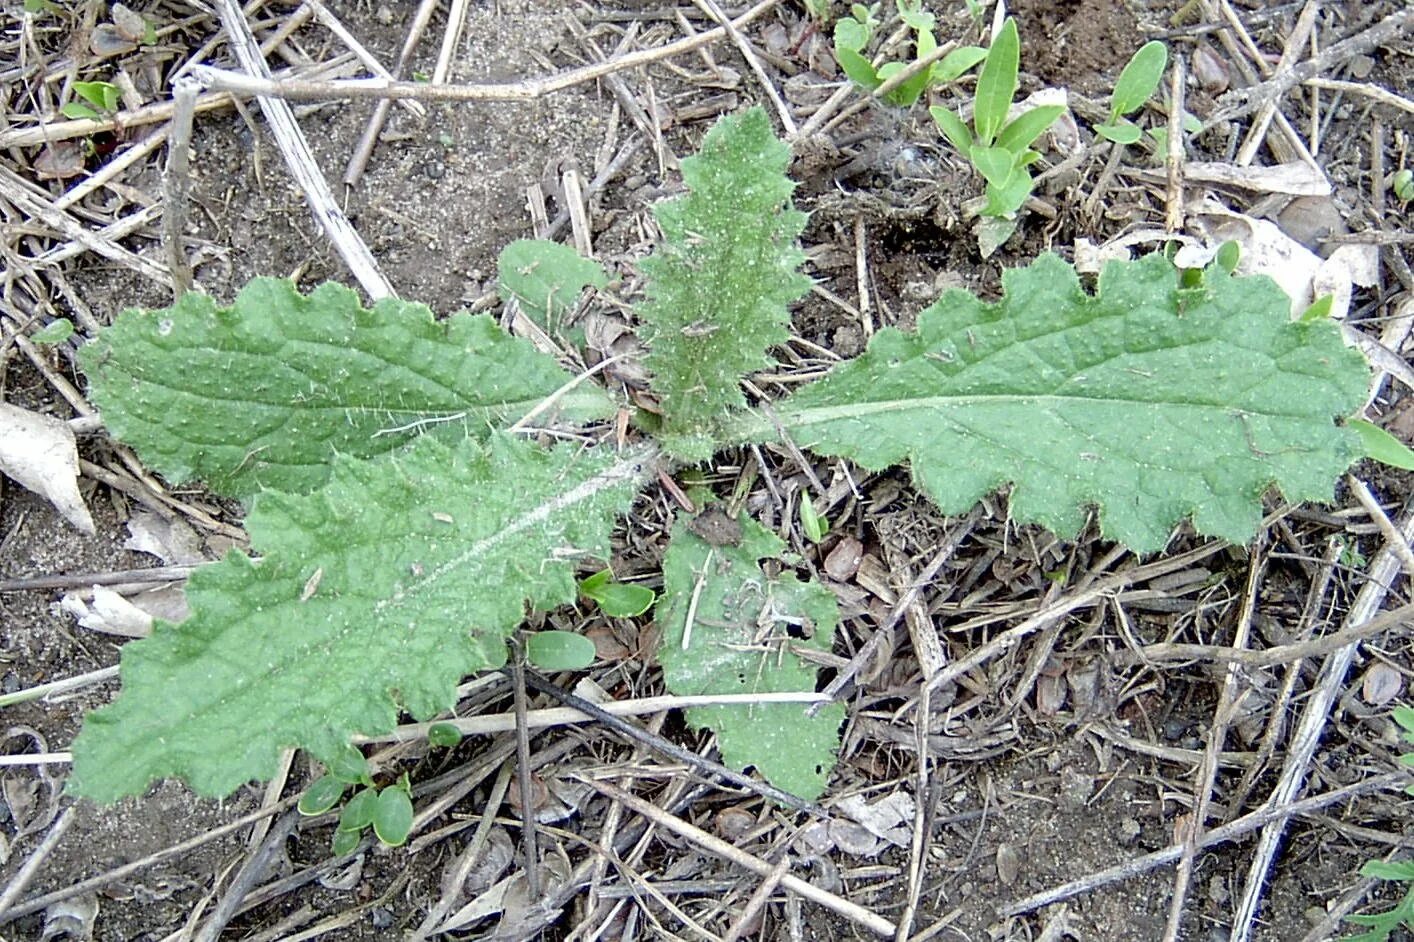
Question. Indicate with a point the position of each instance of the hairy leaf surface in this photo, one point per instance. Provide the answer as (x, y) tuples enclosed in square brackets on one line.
[(1149, 402), (744, 624), (262, 393), (719, 284), (376, 593)]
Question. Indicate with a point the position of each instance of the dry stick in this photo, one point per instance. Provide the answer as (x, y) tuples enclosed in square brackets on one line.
[(1228, 698), (336, 26), (176, 184), (741, 926), (253, 869), (715, 845), (1173, 161), (525, 90), (31, 866), (456, 22), (1269, 657), (1381, 95), (1398, 546), (714, 10), (295, 148), (528, 830), (359, 161), (930, 572), (1257, 130), (77, 682), (1243, 825), (1313, 721), (1242, 102), (1061, 607), (35, 903), (85, 579), (663, 746)]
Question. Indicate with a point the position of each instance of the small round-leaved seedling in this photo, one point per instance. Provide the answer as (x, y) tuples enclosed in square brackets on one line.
[(392, 814), (322, 794), (358, 813), (444, 735), (559, 651), (616, 599)]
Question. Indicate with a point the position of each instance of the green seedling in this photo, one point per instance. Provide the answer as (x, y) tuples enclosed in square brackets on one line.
[(1380, 927), (812, 524), (1137, 83), (997, 148), (400, 528), (559, 651), (1160, 135), (1402, 183), (56, 331), (854, 34), (819, 10), (617, 599), (99, 99), (443, 735)]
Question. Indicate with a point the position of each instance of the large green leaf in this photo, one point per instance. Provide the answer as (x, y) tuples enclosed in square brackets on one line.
[(719, 283), (376, 593), (744, 626), (262, 393), (1149, 402)]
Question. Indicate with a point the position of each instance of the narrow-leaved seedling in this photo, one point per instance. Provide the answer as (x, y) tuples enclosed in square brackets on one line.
[(1137, 82)]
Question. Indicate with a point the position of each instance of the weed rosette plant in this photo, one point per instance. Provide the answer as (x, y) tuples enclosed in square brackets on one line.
[(402, 520)]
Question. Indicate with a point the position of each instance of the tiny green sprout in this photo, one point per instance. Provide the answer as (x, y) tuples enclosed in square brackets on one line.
[(1229, 254), (854, 34), (1350, 555), (349, 766), (1318, 309), (345, 842), (101, 98), (443, 735), (559, 651), (1136, 84), (393, 813), (1382, 926), (999, 150), (616, 599), (1381, 445), (56, 331), (41, 6), (322, 794), (1402, 183), (811, 522), (358, 813)]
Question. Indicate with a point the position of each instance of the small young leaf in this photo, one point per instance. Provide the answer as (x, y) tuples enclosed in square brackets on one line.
[(1140, 400), (1138, 80), (996, 164), (852, 34), (744, 625), (720, 282), (1229, 256), (263, 393), (859, 69), (814, 525), (1382, 446), (997, 84), (358, 813), (953, 129), (392, 816), (102, 95), (559, 651), (323, 794), (617, 599), (408, 605), (443, 735), (1122, 132), (1389, 870), (1318, 310), (345, 842), (56, 331), (547, 279), (1031, 124), (951, 67), (1006, 199), (1404, 716), (348, 765), (77, 110), (1402, 183)]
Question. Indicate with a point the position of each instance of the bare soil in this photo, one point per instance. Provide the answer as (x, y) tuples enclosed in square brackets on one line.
[(1056, 760)]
